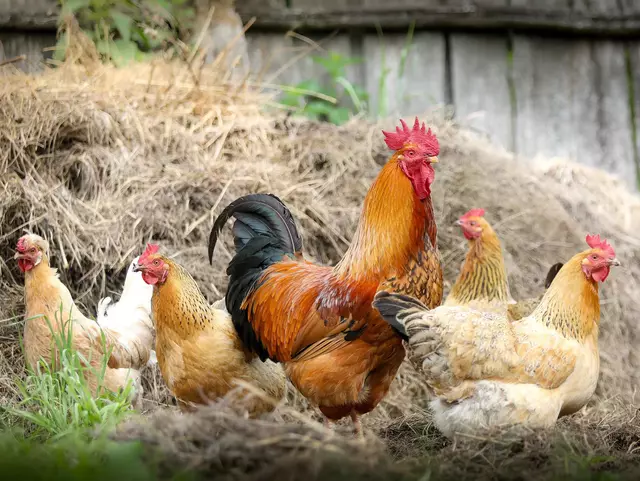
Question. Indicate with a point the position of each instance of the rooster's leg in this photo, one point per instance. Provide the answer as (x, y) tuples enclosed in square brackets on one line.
[(357, 426)]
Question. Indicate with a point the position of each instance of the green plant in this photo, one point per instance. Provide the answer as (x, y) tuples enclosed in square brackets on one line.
[(128, 30), (333, 102), (57, 400), (75, 459)]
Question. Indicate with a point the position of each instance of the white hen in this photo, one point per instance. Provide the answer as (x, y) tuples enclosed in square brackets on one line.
[(131, 314)]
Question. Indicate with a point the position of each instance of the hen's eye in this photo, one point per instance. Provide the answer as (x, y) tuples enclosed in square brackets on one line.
[(411, 153), (156, 262), (33, 249), (473, 222), (594, 257)]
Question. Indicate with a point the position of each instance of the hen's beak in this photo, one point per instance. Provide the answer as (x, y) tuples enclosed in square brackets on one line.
[(458, 222), (614, 262), (433, 160), (19, 255), (138, 268)]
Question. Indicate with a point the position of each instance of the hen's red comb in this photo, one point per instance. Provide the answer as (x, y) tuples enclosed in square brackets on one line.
[(22, 243), (473, 213), (149, 251), (418, 135), (595, 242)]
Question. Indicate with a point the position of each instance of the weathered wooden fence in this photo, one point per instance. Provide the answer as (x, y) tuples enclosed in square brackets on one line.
[(548, 77)]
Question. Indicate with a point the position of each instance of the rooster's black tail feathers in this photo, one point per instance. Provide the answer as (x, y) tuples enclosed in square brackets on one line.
[(264, 232)]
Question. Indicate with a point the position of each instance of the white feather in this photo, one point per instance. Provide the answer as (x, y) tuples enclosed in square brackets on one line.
[(131, 315)]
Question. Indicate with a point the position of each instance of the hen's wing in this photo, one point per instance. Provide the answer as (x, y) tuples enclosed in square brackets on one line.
[(455, 344), (128, 351)]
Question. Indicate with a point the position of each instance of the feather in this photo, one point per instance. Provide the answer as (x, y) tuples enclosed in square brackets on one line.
[(392, 306), (260, 213), (551, 275)]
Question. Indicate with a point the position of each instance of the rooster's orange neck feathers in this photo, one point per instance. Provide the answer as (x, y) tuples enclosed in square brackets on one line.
[(483, 274), (391, 227), (571, 304)]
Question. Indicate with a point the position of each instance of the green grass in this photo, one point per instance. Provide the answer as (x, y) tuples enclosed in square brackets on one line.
[(56, 400), (59, 430), (73, 458)]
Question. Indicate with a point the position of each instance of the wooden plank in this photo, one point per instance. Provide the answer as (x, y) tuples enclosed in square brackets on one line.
[(550, 16), (614, 124), (31, 45), (571, 102), (29, 14), (597, 18), (416, 89), (633, 50), (481, 96), (285, 60)]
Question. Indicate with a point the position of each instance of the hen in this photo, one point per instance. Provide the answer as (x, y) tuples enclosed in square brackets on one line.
[(490, 372), (318, 320), (48, 301), (482, 283), (199, 353), (132, 311)]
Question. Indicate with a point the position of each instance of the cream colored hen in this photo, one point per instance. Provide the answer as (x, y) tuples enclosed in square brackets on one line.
[(488, 372), (49, 306)]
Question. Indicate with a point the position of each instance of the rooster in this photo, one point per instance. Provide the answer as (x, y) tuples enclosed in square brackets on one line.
[(199, 353), (490, 372), (482, 283), (49, 306), (318, 321)]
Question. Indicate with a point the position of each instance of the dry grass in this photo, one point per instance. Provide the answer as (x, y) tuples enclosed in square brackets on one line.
[(101, 160)]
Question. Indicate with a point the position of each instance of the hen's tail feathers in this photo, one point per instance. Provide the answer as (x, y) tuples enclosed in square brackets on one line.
[(551, 275), (102, 308), (394, 309), (257, 214), (264, 233)]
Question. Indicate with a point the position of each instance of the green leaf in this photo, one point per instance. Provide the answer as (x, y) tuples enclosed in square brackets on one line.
[(291, 100), (122, 23), (72, 6), (339, 115), (61, 47), (318, 107), (139, 36), (124, 52), (103, 46), (310, 85)]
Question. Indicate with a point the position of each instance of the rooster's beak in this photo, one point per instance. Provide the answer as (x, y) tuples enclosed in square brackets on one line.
[(614, 262), (19, 255), (458, 222), (433, 160), (138, 268)]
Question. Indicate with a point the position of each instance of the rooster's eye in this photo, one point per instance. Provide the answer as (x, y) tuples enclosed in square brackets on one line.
[(33, 249), (594, 257), (411, 153), (473, 222), (156, 262)]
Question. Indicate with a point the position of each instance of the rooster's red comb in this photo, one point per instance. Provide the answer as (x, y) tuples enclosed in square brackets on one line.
[(418, 135), (149, 251), (473, 213), (595, 242)]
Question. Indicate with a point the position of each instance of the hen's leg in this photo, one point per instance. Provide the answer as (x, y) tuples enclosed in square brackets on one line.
[(357, 425)]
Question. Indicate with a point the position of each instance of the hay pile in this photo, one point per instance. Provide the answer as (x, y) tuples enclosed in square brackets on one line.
[(101, 162)]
